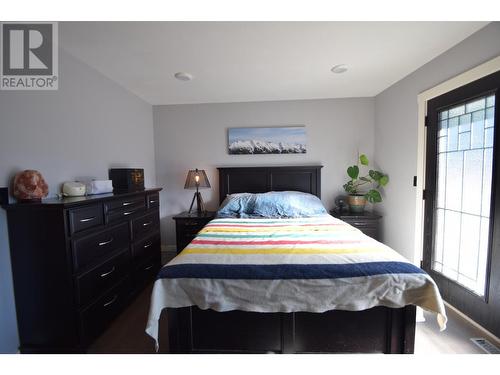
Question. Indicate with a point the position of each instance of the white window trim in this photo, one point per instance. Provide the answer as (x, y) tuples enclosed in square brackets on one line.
[(471, 75)]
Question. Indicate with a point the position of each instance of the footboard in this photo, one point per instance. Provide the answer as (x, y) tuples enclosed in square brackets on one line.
[(376, 330)]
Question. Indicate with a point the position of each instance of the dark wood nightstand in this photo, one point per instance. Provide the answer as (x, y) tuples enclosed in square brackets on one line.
[(187, 225), (367, 222)]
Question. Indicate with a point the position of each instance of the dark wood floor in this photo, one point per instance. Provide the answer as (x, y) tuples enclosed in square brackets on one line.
[(127, 335)]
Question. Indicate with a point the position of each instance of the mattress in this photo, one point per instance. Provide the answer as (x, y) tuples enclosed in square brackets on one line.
[(311, 264)]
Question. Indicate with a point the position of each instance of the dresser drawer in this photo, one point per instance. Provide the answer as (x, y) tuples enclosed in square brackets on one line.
[(367, 226), (146, 271), (190, 234), (126, 202), (153, 200), (367, 222), (90, 249), (186, 237), (143, 225), (124, 213), (370, 232), (95, 319), (85, 218), (362, 222), (193, 223), (190, 227), (146, 247), (96, 281)]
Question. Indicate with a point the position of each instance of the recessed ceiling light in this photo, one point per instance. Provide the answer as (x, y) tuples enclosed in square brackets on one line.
[(341, 68), (183, 76)]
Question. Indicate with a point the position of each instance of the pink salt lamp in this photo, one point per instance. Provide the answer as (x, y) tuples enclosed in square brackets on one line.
[(29, 186)]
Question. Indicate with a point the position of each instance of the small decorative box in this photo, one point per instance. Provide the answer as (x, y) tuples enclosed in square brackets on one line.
[(127, 179)]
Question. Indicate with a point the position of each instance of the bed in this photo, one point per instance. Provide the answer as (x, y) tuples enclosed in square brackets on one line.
[(288, 285)]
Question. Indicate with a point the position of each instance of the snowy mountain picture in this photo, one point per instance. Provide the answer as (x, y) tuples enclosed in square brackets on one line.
[(277, 140)]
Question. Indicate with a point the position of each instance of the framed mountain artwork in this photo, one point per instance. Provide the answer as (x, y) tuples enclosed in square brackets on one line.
[(272, 140)]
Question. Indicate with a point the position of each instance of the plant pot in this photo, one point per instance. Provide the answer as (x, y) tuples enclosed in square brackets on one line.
[(356, 202)]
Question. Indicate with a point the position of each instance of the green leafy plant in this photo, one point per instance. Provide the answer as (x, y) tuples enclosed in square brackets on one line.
[(358, 183)]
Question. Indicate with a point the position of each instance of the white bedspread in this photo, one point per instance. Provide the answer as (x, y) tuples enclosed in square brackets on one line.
[(289, 265)]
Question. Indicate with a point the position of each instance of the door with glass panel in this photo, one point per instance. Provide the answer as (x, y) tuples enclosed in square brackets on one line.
[(462, 211)]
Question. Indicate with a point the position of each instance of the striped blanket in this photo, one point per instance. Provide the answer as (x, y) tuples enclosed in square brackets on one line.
[(287, 265)]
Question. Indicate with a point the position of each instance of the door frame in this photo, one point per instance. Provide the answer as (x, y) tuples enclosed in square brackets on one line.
[(469, 76), (474, 90), (462, 79)]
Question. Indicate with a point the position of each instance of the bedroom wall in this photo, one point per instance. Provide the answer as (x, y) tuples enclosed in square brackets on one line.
[(396, 131), (89, 125), (195, 136)]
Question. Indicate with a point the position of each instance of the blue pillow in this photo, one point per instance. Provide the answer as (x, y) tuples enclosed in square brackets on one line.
[(287, 204), (237, 205)]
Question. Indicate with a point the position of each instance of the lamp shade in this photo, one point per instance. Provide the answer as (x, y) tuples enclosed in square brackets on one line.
[(196, 178)]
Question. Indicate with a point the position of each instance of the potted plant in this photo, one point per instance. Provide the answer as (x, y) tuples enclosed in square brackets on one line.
[(361, 188)]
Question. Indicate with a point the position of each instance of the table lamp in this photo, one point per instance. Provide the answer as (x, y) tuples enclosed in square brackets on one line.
[(197, 178)]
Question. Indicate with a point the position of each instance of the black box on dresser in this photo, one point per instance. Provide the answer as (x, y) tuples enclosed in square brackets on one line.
[(77, 263), (127, 179)]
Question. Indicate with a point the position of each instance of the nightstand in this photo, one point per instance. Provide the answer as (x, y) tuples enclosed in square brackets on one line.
[(187, 225), (367, 222)]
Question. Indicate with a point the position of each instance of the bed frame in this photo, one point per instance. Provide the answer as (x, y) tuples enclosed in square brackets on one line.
[(376, 330)]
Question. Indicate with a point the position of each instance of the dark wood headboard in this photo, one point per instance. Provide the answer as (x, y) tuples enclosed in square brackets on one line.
[(263, 179)]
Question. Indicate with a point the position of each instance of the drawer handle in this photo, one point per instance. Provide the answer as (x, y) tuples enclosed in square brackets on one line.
[(107, 273), (148, 245), (127, 203), (106, 242), (149, 267), (128, 213), (87, 219), (152, 201), (111, 301), (191, 223), (148, 223)]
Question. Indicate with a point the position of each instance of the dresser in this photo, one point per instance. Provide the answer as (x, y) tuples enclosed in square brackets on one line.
[(77, 262), (367, 222), (187, 225)]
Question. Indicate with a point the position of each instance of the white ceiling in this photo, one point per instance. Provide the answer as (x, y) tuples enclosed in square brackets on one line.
[(258, 61)]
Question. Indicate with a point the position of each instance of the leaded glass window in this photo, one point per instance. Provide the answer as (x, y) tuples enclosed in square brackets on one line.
[(464, 178)]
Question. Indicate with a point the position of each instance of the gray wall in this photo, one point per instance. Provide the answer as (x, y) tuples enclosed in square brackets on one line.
[(89, 125), (396, 116), (195, 136)]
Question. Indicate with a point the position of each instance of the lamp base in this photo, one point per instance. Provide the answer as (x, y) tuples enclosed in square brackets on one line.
[(200, 205)]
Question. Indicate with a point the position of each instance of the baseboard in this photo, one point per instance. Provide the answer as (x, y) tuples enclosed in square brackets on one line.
[(168, 249), (487, 333)]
